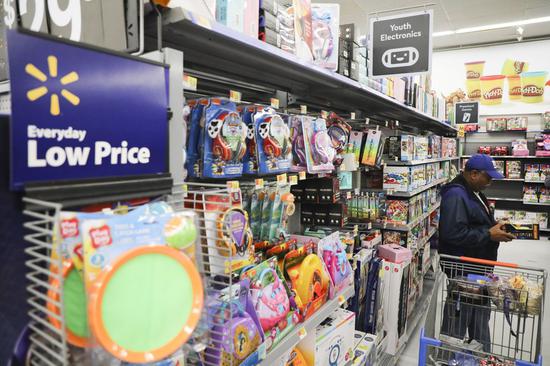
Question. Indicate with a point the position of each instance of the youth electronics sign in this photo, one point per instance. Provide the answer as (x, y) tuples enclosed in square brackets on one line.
[(81, 113), (401, 44), (467, 112)]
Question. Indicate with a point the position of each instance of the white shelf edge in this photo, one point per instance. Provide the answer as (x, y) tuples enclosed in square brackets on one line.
[(410, 225), (416, 191), (419, 162)]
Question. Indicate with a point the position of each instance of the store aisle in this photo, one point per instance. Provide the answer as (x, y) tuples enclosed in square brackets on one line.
[(534, 253)]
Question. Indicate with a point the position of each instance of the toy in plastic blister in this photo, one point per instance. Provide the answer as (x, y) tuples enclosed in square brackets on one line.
[(318, 145), (339, 132), (325, 22), (374, 145), (224, 140), (334, 256), (250, 158), (308, 277), (299, 160), (272, 142), (195, 137), (280, 251), (234, 234)]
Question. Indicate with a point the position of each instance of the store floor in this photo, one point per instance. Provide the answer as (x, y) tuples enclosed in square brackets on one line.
[(534, 253)]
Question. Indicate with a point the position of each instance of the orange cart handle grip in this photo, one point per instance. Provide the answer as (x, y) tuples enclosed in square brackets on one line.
[(488, 262)]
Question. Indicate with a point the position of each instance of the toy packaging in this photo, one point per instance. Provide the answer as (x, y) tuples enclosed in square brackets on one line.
[(250, 158), (224, 140), (544, 171), (356, 140), (542, 144), (519, 147), (523, 231), (303, 29), (318, 146), (271, 298), (394, 253), (372, 151), (542, 219), (532, 172), (365, 352), (195, 137), (513, 169), (397, 211), (299, 160), (339, 132), (516, 124), (530, 193), (273, 146), (397, 178), (308, 277), (395, 303), (267, 211), (401, 147), (420, 147), (232, 346), (544, 195), (496, 124), (333, 253), (335, 339), (326, 28), (391, 237), (434, 146)]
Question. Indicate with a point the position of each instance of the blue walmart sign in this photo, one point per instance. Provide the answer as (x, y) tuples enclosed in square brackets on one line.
[(80, 113)]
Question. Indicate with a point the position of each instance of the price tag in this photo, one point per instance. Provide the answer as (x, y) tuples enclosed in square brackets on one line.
[(348, 195), (341, 300), (189, 82), (303, 109), (352, 115), (275, 103), (367, 121), (301, 175), (184, 190), (232, 184), (324, 114), (355, 230), (293, 179), (369, 226), (302, 333), (203, 22), (259, 183), (282, 179), (461, 130), (235, 96)]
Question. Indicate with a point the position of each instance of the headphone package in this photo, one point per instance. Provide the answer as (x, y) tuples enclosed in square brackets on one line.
[(339, 132), (318, 146), (250, 159), (326, 29), (195, 135), (273, 145), (224, 140), (299, 162)]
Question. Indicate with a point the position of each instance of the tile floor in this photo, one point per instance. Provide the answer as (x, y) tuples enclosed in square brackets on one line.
[(533, 253)]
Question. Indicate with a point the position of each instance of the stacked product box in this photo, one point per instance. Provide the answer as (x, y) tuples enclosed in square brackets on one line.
[(325, 24), (403, 211), (421, 147), (240, 15), (409, 178), (347, 60), (276, 24), (401, 147), (434, 147), (536, 172), (448, 147), (523, 217)]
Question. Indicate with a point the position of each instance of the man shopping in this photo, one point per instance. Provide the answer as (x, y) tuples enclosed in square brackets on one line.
[(467, 228)]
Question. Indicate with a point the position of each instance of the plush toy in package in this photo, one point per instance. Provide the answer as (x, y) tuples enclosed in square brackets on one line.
[(273, 145), (224, 140), (326, 28)]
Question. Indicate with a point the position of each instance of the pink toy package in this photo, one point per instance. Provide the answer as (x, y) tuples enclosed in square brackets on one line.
[(394, 253), (333, 252)]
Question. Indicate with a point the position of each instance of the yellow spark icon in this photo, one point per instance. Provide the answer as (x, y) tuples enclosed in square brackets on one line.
[(39, 92)]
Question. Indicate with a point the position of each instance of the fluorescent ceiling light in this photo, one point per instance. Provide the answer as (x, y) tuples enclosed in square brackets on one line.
[(487, 27)]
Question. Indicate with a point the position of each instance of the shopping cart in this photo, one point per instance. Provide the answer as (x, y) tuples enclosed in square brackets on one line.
[(488, 313)]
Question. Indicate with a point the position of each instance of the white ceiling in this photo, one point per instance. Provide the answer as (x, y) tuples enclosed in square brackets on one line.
[(456, 14)]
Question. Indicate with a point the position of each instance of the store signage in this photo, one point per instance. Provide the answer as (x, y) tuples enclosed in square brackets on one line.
[(467, 112), (80, 113), (401, 44)]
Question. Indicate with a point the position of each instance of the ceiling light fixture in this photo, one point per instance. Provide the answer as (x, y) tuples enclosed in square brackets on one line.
[(492, 26)]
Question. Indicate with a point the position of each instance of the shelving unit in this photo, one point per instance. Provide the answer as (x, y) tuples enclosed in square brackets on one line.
[(511, 157), (416, 191), (410, 225), (418, 162), (308, 326)]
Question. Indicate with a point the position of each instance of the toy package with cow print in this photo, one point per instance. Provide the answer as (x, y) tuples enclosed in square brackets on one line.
[(273, 146), (224, 140)]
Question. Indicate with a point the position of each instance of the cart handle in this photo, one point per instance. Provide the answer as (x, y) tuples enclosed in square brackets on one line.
[(489, 262)]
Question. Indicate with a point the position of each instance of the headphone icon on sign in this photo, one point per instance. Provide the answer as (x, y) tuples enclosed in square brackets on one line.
[(400, 57)]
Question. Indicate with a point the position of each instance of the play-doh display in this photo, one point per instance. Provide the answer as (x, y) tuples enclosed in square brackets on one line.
[(532, 86), (514, 87), (474, 69), (491, 89)]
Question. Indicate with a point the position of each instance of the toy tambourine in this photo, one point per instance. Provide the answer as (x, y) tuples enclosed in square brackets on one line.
[(235, 236), (228, 124), (74, 304), (146, 304)]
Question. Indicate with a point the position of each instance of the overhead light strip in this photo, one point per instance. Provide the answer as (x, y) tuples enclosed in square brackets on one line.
[(492, 26)]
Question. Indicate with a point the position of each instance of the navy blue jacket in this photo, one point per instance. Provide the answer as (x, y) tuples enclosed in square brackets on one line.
[(464, 223)]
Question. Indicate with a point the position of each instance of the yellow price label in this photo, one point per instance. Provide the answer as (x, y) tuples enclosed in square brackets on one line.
[(461, 130), (184, 190), (259, 183), (203, 22), (282, 179), (302, 333), (189, 82), (301, 175), (352, 115), (233, 184), (303, 109), (275, 103), (235, 96), (293, 179)]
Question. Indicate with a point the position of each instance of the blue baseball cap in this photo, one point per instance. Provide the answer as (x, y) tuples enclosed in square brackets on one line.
[(484, 163)]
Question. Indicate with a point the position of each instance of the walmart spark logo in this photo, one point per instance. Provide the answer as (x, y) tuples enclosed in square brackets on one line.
[(39, 92)]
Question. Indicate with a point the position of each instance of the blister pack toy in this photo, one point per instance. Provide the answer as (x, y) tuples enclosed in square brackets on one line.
[(318, 146), (224, 140), (273, 145), (309, 279), (325, 23), (280, 251), (339, 132), (374, 145), (333, 253), (195, 137), (272, 301), (299, 160), (235, 328), (250, 159)]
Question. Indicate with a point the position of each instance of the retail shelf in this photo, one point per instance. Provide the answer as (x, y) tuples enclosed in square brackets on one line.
[(510, 180), (418, 313), (416, 191), (512, 157), (218, 50), (409, 226), (419, 162), (505, 199), (291, 340), (536, 203), (545, 230), (534, 181)]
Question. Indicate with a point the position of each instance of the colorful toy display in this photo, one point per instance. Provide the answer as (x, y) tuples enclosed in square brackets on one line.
[(334, 255), (273, 143), (325, 25), (318, 146)]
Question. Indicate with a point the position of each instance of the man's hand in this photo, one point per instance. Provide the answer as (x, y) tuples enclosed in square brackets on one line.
[(499, 234)]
